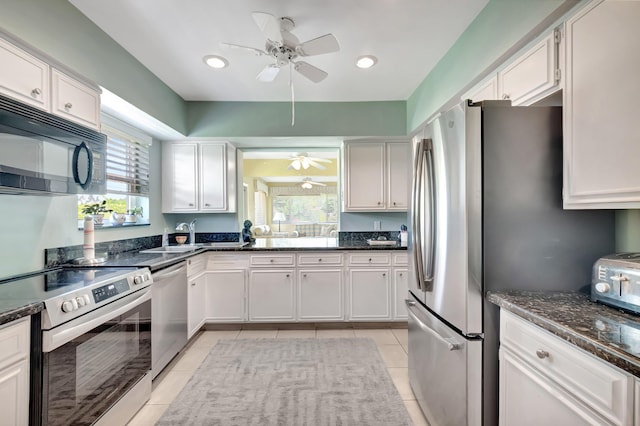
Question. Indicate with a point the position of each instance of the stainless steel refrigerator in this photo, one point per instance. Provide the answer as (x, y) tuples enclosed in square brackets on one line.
[(486, 215)]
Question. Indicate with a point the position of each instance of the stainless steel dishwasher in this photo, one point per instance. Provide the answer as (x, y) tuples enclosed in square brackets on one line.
[(168, 315)]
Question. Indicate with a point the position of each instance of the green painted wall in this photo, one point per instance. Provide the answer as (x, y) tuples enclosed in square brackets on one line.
[(499, 30), (273, 119)]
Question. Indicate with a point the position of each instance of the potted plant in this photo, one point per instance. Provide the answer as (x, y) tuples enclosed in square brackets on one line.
[(132, 214), (96, 211)]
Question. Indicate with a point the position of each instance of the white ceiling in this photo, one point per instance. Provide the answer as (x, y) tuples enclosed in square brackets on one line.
[(171, 37)]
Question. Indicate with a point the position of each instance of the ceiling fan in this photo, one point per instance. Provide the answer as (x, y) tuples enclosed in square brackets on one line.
[(307, 183), (285, 49), (302, 160)]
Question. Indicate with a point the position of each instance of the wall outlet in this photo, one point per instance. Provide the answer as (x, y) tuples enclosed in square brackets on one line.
[(376, 225)]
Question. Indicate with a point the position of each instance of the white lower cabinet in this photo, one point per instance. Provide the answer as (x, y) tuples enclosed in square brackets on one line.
[(14, 372), (400, 291), (271, 295), (320, 295), (369, 294), (226, 296), (196, 299), (546, 380)]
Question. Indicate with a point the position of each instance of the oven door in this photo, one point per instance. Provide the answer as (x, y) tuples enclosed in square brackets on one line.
[(90, 362)]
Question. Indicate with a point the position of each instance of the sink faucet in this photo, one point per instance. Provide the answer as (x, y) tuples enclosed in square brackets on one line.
[(191, 227)]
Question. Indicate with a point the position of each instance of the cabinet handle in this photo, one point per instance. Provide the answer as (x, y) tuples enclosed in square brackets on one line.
[(542, 354), (505, 96), (68, 106), (193, 284), (36, 92), (189, 262)]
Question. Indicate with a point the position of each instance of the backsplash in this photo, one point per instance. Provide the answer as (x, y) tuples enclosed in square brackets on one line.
[(63, 255)]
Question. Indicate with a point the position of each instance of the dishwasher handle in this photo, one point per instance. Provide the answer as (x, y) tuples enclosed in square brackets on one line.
[(170, 272), (448, 342)]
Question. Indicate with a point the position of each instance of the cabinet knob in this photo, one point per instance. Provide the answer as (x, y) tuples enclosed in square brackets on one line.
[(304, 275), (369, 259), (190, 204), (68, 106), (288, 275), (193, 284), (542, 354), (36, 92), (320, 260), (400, 273), (207, 204), (271, 260), (384, 274), (506, 96), (379, 203), (394, 203)]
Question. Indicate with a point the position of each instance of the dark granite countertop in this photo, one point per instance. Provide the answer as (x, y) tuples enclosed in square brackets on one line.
[(608, 333), (11, 310)]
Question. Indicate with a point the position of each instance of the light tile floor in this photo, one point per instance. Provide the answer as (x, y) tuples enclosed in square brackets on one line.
[(392, 344)]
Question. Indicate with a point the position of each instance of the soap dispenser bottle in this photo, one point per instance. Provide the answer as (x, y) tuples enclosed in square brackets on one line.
[(404, 236)]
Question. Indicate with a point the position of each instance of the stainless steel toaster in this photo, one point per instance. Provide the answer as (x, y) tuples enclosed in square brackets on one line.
[(616, 281)]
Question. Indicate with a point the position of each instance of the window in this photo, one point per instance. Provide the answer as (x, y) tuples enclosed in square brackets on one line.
[(127, 198), (311, 213)]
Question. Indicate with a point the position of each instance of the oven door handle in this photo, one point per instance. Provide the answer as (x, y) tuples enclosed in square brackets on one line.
[(52, 339)]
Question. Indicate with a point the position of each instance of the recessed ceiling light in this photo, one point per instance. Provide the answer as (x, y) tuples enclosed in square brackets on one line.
[(366, 61), (215, 61)]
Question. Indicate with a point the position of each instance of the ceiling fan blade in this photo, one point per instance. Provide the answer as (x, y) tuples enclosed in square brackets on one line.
[(318, 46), (268, 74), (320, 160), (312, 73), (269, 25), (316, 165), (317, 183), (258, 52)]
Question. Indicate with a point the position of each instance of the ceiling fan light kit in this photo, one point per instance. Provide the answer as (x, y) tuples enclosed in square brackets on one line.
[(286, 49), (302, 160)]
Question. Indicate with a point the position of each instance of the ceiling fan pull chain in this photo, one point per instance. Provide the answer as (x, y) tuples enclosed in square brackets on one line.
[(293, 108)]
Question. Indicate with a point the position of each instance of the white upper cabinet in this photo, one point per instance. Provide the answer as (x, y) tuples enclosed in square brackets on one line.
[(74, 101), (532, 74), (23, 76), (33, 81), (601, 126), (376, 176), (198, 177), (484, 91)]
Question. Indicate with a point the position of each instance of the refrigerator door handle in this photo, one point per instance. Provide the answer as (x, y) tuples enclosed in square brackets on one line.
[(449, 343), (431, 238), (416, 213)]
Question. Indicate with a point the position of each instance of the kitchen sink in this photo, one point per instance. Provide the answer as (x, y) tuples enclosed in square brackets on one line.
[(171, 249), (230, 244)]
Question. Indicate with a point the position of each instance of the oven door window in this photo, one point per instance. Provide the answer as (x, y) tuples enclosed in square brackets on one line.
[(87, 375)]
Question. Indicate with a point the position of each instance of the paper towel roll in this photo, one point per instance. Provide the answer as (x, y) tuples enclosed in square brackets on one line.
[(88, 248)]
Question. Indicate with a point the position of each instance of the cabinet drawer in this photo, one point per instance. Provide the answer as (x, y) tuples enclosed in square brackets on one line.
[(370, 259), (14, 341), (219, 260), (273, 260), (598, 384), (320, 259), (196, 264), (400, 259)]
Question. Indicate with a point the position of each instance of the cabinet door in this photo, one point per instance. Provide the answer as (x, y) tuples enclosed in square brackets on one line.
[(213, 177), (400, 292), (485, 91), (179, 180), (225, 296), (398, 171), (271, 295), (75, 101), (364, 176), (14, 394), (320, 295), (196, 300), (369, 294), (23, 76), (531, 75), (601, 126), (529, 398)]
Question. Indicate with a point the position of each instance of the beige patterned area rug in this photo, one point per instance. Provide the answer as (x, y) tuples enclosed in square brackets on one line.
[(290, 382)]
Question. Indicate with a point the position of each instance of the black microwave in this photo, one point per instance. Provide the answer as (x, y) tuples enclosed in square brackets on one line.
[(43, 154)]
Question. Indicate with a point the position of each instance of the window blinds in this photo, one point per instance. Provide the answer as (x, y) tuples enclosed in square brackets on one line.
[(127, 161)]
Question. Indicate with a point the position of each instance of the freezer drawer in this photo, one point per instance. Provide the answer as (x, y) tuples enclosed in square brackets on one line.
[(445, 370)]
